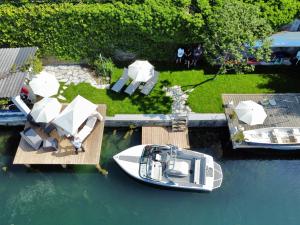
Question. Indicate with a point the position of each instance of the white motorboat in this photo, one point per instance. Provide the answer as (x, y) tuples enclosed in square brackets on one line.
[(282, 138), (169, 166)]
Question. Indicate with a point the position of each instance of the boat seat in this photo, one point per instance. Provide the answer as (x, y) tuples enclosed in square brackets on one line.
[(197, 171), (277, 136), (157, 157), (296, 134), (203, 171), (296, 131), (156, 171)]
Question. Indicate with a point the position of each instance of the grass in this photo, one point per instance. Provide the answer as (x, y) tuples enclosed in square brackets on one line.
[(205, 98)]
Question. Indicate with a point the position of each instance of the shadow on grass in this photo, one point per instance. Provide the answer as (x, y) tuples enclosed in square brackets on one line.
[(156, 102), (282, 83), (116, 95)]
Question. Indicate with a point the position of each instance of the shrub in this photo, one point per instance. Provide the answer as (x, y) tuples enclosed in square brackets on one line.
[(37, 65), (4, 103), (103, 66)]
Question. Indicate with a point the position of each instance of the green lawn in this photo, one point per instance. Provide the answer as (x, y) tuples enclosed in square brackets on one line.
[(206, 96)]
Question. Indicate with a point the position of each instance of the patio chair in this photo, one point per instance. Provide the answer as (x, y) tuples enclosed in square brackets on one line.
[(32, 138), (50, 144), (121, 82), (132, 87), (150, 84)]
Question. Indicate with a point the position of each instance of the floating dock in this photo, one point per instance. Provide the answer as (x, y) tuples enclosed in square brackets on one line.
[(283, 112), (164, 135), (66, 154)]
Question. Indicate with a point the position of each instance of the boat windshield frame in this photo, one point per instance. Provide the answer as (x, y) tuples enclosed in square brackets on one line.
[(147, 156)]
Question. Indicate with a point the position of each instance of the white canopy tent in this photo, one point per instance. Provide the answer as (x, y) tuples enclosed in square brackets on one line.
[(44, 84), (74, 115), (250, 112), (141, 70), (45, 110)]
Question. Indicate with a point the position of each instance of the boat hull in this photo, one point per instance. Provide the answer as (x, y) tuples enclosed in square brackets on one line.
[(128, 160), (262, 138)]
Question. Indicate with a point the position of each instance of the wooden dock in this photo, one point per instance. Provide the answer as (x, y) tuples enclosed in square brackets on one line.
[(164, 135), (284, 113), (66, 154)]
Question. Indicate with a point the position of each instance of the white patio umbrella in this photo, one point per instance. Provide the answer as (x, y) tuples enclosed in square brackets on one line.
[(44, 84), (250, 112), (140, 70), (45, 110), (74, 115)]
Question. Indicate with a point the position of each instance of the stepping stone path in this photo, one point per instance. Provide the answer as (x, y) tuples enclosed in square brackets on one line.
[(60, 97), (179, 108), (74, 74), (179, 100)]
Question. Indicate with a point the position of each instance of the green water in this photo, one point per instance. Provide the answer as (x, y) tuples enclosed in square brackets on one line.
[(254, 192)]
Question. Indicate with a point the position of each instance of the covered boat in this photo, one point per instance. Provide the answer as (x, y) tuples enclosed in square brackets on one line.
[(282, 138), (169, 166)]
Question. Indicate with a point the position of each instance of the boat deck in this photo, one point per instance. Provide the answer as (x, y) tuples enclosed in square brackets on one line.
[(283, 112), (66, 154), (164, 135)]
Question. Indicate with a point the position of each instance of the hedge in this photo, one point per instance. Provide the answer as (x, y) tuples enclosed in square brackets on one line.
[(150, 29), (80, 31)]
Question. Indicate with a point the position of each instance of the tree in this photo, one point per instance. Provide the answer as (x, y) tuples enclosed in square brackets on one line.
[(230, 35)]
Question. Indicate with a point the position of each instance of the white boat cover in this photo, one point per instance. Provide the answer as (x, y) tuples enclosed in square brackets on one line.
[(74, 115)]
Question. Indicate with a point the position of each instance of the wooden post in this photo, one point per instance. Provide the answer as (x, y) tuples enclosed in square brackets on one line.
[(101, 170)]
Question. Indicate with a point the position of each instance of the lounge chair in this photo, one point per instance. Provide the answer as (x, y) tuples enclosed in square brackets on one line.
[(87, 129), (150, 84), (32, 138), (51, 144), (132, 87), (121, 82)]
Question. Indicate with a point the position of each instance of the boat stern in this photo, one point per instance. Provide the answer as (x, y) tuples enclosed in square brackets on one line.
[(218, 176)]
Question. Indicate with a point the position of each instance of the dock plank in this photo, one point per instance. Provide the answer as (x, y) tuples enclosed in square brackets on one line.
[(164, 135), (66, 154)]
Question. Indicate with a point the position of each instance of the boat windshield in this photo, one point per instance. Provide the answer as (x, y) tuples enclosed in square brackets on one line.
[(155, 159)]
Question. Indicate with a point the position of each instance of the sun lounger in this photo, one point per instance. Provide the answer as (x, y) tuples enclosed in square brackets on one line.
[(121, 82), (32, 138), (132, 87), (50, 144), (87, 129), (150, 84)]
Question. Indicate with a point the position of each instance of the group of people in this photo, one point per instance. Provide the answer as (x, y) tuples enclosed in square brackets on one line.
[(189, 56)]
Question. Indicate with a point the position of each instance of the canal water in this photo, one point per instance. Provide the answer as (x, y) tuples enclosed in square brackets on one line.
[(256, 190)]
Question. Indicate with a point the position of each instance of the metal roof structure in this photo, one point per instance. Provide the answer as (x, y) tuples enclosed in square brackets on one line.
[(283, 39), (11, 82)]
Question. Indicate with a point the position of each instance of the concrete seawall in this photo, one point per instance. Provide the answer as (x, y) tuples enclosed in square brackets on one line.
[(195, 120), (138, 120)]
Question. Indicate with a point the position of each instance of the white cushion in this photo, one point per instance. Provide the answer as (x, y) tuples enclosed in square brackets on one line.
[(181, 166)]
